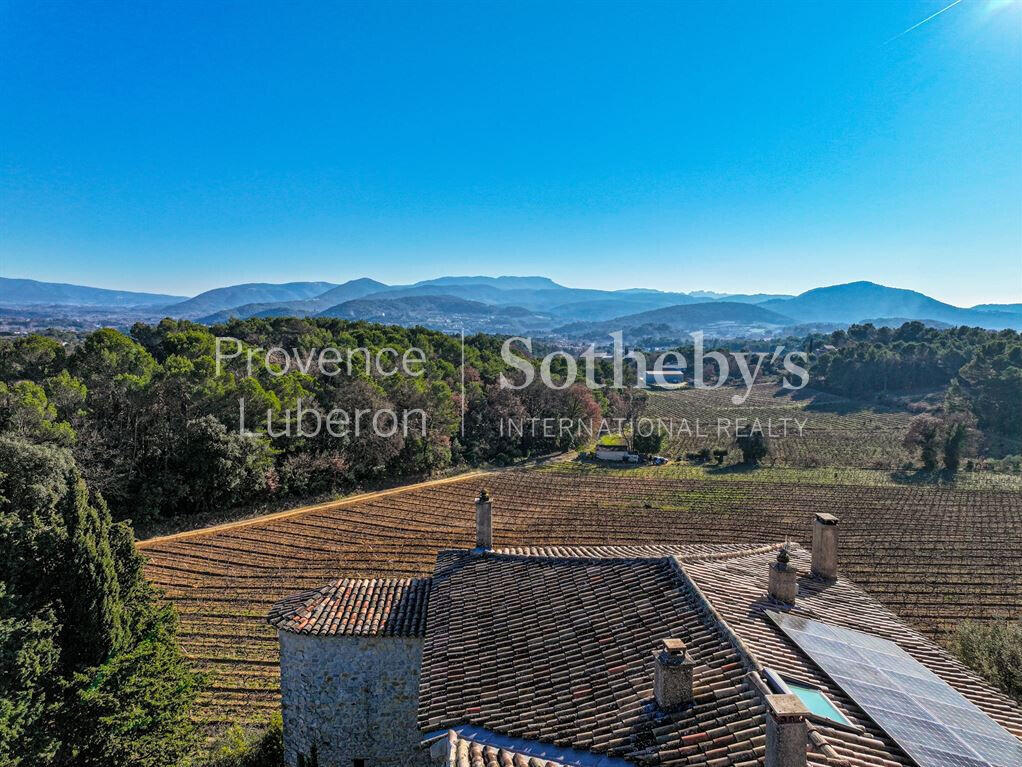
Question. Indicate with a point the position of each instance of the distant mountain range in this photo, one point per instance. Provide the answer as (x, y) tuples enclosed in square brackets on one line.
[(14, 292), (536, 305)]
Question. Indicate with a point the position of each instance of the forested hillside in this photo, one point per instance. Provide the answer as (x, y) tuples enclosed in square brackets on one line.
[(155, 427), (985, 368)]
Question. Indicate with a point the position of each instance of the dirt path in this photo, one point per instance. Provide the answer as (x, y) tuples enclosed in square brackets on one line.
[(338, 504)]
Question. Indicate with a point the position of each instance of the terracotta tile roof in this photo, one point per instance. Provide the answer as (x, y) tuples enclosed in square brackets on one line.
[(553, 645), (641, 551), (559, 650), (465, 748), (736, 588), (467, 753), (356, 607)]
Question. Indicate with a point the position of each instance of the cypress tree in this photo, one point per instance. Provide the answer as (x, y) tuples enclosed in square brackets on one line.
[(88, 585), (91, 674)]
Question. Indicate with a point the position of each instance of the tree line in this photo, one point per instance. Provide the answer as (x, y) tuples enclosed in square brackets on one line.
[(984, 367), (153, 423)]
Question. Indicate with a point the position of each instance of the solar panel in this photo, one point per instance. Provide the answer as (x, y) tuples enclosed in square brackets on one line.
[(930, 720)]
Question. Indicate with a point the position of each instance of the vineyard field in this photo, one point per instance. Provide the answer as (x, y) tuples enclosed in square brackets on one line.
[(935, 555), (808, 429)]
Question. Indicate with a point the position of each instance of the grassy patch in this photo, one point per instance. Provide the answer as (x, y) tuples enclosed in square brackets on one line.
[(969, 481)]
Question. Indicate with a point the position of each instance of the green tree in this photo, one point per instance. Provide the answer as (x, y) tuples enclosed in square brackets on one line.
[(32, 357), (217, 467), (90, 671), (924, 434), (26, 412), (648, 444), (993, 650), (753, 446), (958, 438)]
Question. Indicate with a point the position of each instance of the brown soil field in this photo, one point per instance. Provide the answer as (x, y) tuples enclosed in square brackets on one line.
[(936, 555), (808, 428)]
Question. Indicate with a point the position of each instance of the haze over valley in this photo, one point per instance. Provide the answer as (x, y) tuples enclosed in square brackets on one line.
[(503, 305)]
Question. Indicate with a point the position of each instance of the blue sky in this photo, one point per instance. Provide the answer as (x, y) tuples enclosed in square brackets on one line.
[(774, 147)]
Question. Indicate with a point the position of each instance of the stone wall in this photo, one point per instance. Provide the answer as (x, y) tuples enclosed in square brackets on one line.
[(352, 698)]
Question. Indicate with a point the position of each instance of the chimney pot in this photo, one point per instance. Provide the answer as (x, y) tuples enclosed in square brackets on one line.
[(484, 521), (787, 731), (825, 546), (672, 682), (782, 585)]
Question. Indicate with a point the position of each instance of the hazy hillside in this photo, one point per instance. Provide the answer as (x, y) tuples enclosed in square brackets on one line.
[(503, 283), (1009, 308), (347, 291), (607, 308), (303, 308), (855, 301), (231, 296), (547, 305), (243, 312), (713, 317), (754, 298), (17, 292), (742, 298), (440, 312)]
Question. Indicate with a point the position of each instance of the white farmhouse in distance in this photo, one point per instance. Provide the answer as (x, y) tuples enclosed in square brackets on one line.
[(612, 452)]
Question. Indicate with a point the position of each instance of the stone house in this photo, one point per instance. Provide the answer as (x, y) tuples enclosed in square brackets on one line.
[(711, 655)]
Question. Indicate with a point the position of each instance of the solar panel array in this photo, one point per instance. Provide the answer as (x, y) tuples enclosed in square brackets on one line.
[(931, 721)]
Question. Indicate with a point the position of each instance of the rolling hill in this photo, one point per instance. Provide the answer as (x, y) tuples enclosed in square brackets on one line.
[(855, 301), (346, 292), (712, 317), (503, 283), (441, 312), (231, 296), (18, 292), (549, 305), (1009, 308), (618, 305)]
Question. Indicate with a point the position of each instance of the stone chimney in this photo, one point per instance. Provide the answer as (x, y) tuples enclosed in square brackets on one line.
[(672, 681), (484, 521), (787, 731), (825, 546), (782, 585)]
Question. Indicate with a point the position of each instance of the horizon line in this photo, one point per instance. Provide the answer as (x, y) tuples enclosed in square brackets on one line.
[(689, 293)]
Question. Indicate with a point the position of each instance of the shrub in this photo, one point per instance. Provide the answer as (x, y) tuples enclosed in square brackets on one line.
[(993, 650), (313, 473), (245, 748)]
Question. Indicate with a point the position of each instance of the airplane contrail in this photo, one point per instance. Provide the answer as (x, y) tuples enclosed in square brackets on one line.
[(928, 18)]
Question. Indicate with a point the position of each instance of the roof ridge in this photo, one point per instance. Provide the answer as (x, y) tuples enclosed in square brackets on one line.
[(747, 552), (703, 604), (669, 551)]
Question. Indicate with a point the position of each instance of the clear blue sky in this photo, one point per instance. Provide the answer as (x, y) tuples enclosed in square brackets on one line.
[(751, 146)]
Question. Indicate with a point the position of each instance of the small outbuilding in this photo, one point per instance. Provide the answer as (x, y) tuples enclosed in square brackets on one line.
[(613, 453), (350, 655)]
